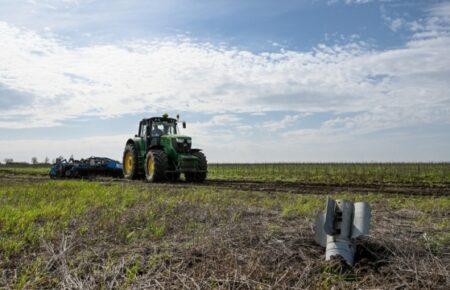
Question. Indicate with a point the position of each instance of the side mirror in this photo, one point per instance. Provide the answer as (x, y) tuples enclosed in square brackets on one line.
[(135, 135), (184, 125)]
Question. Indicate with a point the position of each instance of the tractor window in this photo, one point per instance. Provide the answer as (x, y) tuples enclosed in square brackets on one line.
[(143, 132), (164, 128)]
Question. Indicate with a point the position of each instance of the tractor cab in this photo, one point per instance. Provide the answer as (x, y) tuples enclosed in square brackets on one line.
[(157, 127), (155, 130)]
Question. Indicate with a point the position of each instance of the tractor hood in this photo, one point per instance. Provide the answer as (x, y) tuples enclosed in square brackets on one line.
[(180, 143), (180, 137)]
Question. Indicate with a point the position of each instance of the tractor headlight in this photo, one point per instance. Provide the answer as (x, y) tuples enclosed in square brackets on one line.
[(182, 140)]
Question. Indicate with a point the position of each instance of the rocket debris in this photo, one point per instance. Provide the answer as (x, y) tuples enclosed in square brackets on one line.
[(337, 228)]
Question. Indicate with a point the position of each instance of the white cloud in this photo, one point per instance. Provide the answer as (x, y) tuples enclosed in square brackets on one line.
[(349, 2), (357, 1), (396, 23), (224, 119), (134, 77), (441, 10), (275, 125)]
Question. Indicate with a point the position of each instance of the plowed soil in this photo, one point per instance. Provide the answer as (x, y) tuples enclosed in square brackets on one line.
[(273, 187)]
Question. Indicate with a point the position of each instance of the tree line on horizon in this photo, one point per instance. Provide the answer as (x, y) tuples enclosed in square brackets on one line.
[(33, 161)]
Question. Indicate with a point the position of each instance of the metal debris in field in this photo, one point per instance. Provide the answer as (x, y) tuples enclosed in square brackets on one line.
[(337, 228)]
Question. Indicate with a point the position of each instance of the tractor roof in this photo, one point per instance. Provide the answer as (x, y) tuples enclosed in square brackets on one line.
[(159, 119)]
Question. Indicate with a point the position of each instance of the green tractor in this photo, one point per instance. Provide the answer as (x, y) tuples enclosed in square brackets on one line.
[(159, 153)]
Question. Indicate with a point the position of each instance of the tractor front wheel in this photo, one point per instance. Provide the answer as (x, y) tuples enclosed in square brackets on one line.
[(156, 164), (130, 162), (202, 168)]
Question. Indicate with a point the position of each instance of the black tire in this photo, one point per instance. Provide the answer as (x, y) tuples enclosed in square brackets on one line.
[(173, 176), (189, 176), (202, 166), (133, 172), (160, 165)]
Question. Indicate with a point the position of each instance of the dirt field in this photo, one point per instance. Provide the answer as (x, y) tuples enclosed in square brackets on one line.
[(223, 234)]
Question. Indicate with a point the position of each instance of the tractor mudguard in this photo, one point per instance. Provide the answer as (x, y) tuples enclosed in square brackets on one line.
[(131, 141)]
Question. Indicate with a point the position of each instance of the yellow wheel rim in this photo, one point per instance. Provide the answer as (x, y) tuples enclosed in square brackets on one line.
[(150, 166), (128, 163)]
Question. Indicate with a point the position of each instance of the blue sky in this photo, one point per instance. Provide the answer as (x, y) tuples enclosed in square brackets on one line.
[(257, 81)]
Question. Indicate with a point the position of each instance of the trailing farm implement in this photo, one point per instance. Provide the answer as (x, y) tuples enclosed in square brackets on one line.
[(92, 166)]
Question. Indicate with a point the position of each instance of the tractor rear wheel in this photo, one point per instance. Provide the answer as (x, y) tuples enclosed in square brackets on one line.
[(156, 164), (173, 176), (202, 167), (130, 162)]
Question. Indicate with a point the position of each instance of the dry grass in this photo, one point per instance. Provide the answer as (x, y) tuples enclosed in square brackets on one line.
[(200, 237)]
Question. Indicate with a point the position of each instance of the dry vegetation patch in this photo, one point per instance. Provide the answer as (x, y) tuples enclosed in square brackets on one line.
[(79, 234)]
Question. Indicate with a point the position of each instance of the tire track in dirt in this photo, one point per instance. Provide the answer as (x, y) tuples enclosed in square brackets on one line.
[(310, 188), (319, 188), (268, 186)]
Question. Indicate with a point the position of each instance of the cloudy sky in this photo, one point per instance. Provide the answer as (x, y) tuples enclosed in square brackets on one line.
[(256, 80)]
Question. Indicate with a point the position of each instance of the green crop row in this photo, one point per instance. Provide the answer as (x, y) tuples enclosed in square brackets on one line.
[(336, 173)]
